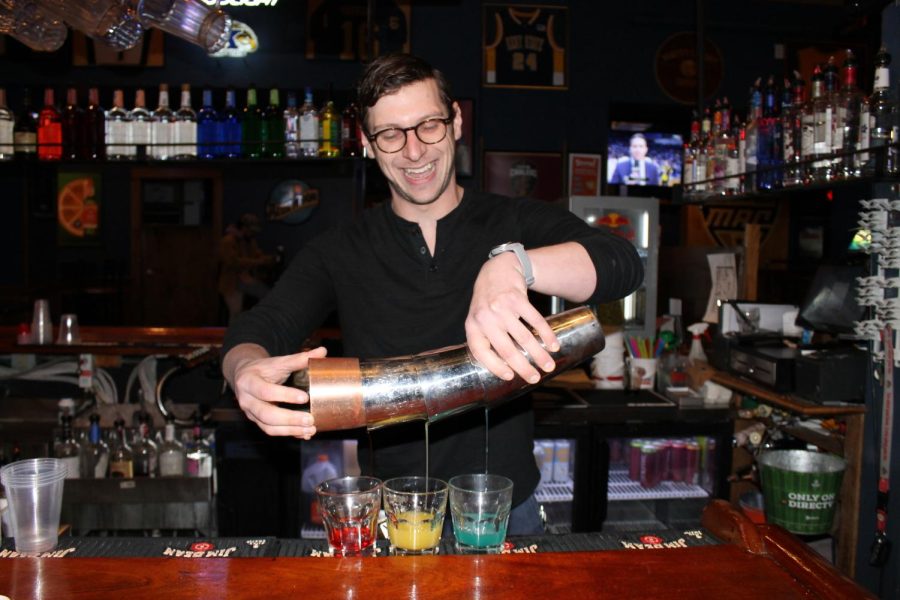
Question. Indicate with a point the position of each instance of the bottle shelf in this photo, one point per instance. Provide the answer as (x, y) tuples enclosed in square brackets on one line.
[(621, 488)]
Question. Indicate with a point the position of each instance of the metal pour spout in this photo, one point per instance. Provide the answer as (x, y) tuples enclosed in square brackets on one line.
[(345, 393)]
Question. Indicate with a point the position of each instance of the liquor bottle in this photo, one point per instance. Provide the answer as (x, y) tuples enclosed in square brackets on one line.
[(162, 127), (207, 127), (291, 127), (882, 121), (835, 138), (141, 126), (850, 100), (95, 455), (68, 450), (722, 145), (185, 128), (118, 130), (7, 124), (144, 449), (768, 149), (734, 183), (754, 116), (95, 126), (171, 452), (792, 132), (49, 130), (350, 134), (25, 130), (309, 126), (251, 127), (229, 132), (73, 128), (689, 157), (823, 103), (121, 458), (272, 127), (808, 125), (329, 131), (701, 175), (198, 456)]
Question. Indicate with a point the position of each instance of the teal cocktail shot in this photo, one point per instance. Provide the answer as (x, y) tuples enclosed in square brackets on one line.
[(479, 507)]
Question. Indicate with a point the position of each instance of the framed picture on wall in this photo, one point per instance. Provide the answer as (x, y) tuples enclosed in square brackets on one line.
[(465, 146), (520, 174), (524, 46), (585, 174), (336, 29), (77, 208)]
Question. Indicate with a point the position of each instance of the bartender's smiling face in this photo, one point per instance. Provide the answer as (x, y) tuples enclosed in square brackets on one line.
[(420, 173)]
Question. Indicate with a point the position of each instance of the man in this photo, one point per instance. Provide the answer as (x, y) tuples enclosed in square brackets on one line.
[(636, 169), (413, 275), (241, 262)]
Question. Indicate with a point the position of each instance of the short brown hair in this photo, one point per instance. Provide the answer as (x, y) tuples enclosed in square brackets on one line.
[(388, 73)]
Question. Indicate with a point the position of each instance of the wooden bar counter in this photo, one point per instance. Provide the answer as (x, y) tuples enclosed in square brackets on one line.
[(750, 562)]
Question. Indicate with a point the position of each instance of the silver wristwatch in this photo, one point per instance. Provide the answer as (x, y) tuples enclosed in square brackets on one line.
[(519, 250)]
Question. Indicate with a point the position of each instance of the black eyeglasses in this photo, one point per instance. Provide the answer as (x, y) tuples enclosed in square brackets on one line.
[(393, 139)]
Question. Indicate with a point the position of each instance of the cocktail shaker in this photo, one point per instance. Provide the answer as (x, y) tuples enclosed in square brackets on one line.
[(345, 393)]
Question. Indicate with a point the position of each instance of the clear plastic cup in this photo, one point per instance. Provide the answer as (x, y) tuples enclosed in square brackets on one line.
[(68, 330), (34, 489)]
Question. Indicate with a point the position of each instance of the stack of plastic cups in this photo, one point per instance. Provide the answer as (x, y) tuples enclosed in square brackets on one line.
[(34, 489), (608, 366)]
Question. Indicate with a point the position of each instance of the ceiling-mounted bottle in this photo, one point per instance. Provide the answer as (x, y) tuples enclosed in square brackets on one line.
[(110, 22), (26, 22)]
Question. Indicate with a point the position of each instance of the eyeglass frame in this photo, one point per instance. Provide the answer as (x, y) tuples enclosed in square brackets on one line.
[(373, 138)]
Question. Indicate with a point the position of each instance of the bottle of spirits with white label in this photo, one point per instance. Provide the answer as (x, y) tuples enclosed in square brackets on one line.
[(883, 124), (850, 100), (751, 159), (7, 124), (689, 157), (141, 125), (792, 132), (162, 127), (185, 127), (25, 130), (291, 127), (118, 130), (309, 126), (822, 115), (171, 452)]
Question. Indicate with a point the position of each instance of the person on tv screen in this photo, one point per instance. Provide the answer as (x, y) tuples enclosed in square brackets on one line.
[(636, 168)]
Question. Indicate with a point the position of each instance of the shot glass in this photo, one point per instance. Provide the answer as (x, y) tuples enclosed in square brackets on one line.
[(479, 507), (349, 509), (415, 509)]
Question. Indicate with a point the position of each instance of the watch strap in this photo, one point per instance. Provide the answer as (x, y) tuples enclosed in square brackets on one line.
[(519, 250)]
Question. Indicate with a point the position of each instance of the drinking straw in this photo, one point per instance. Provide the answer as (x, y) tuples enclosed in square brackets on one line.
[(660, 344)]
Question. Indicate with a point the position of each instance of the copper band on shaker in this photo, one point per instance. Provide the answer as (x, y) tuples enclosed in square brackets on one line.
[(336, 394)]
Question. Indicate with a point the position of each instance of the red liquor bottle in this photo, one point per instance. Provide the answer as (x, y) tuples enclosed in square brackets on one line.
[(49, 130)]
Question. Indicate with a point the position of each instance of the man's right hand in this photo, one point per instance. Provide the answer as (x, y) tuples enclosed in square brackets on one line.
[(256, 380)]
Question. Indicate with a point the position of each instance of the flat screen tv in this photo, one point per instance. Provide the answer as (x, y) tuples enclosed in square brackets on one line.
[(644, 158)]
